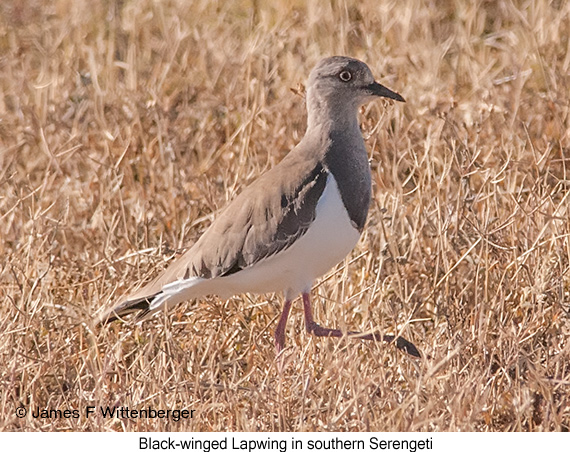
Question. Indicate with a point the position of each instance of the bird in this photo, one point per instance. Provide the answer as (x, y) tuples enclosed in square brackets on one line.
[(294, 223)]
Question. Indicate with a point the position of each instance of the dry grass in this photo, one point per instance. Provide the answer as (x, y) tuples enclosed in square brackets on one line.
[(124, 125)]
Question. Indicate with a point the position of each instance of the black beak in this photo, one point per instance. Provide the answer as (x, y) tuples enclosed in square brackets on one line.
[(376, 89)]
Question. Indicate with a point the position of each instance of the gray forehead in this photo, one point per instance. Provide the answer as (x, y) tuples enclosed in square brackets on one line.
[(334, 65)]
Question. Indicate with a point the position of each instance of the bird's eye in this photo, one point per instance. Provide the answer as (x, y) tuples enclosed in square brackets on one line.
[(345, 76)]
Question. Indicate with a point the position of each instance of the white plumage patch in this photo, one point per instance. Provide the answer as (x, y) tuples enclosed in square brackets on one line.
[(328, 240)]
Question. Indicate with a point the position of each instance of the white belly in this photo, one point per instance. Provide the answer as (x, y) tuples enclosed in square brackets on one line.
[(328, 240)]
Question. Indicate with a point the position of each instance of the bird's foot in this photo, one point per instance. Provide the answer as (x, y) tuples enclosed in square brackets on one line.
[(320, 331), (401, 343)]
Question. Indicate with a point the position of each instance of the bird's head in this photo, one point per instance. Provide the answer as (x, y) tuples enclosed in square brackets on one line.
[(341, 84)]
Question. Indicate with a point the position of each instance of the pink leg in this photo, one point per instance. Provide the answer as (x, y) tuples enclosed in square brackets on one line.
[(280, 330), (312, 326), (319, 331)]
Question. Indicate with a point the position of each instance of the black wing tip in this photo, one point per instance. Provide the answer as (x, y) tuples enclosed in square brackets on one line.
[(140, 306)]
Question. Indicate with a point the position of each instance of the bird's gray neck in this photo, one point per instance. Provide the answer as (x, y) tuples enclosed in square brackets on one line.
[(334, 126), (331, 115)]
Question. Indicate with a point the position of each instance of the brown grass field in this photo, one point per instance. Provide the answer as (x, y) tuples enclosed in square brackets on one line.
[(124, 127)]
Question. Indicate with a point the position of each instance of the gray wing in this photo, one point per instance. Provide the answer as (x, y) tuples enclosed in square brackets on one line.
[(264, 219), (253, 230)]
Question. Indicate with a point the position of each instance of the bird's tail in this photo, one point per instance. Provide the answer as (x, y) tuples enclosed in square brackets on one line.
[(140, 306), (144, 306)]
